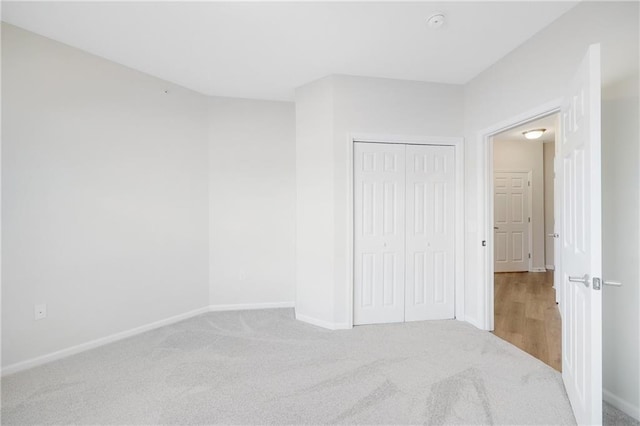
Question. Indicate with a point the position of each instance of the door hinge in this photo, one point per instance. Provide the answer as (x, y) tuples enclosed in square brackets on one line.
[(529, 220), (528, 183), (484, 243), (529, 255), (596, 283)]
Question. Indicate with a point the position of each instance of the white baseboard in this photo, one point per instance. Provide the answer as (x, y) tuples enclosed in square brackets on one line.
[(322, 323), (621, 404), (250, 306), (550, 267), (474, 322), (63, 353)]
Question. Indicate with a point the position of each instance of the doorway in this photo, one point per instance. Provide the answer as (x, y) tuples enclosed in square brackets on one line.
[(578, 271), (526, 313)]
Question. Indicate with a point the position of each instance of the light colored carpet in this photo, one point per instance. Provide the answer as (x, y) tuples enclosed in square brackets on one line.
[(613, 416), (263, 367)]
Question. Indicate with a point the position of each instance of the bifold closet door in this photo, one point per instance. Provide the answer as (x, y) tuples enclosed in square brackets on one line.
[(379, 227), (430, 214)]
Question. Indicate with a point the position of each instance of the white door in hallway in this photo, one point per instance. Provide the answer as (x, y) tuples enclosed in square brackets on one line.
[(379, 227), (511, 221), (430, 232), (557, 223), (581, 243)]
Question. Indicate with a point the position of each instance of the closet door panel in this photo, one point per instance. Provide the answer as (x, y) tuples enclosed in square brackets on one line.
[(430, 198), (379, 233)]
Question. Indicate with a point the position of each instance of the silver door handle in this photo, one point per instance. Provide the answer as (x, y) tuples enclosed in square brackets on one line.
[(553, 235), (584, 280), (613, 283)]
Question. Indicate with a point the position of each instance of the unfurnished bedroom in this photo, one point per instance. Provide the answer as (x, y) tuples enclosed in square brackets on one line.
[(334, 212)]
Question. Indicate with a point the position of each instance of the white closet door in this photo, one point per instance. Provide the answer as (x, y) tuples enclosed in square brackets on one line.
[(430, 183), (379, 210)]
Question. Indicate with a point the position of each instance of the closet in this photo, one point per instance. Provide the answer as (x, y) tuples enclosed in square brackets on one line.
[(404, 210)]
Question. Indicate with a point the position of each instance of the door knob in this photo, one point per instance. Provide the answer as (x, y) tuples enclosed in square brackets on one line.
[(584, 280), (553, 235)]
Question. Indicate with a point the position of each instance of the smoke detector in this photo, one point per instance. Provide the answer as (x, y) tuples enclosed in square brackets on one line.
[(436, 20)]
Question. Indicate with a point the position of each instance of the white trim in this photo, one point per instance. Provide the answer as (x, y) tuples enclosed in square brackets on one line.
[(250, 306), (82, 347), (349, 235), (485, 211), (458, 144), (549, 267), (322, 323), (405, 139), (621, 404), (474, 322), (92, 344)]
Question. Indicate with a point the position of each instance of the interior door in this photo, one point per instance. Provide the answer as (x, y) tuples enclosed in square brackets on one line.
[(581, 241), (511, 221), (557, 222), (430, 233), (379, 224)]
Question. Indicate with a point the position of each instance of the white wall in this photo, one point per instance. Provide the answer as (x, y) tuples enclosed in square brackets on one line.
[(384, 107), (104, 197), (113, 179), (549, 155), (620, 241), (251, 201), (527, 156), (314, 203), (328, 112), (536, 73)]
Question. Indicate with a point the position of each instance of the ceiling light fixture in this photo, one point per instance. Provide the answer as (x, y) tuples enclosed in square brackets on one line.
[(534, 134), (435, 20)]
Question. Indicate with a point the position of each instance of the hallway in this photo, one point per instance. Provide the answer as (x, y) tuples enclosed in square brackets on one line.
[(527, 316)]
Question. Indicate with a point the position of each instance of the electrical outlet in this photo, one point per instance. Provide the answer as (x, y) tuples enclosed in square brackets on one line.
[(40, 311)]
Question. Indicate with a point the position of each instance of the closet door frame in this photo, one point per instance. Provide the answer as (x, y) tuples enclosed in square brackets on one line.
[(458, 144)]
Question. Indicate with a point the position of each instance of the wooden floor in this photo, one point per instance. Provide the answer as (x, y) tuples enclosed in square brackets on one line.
[(526, 314)]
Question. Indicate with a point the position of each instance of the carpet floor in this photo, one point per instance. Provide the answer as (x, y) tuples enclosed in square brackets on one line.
[(264, 367)]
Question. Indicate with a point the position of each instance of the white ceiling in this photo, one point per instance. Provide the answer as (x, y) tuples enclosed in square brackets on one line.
[(266, 50), (515, 134)]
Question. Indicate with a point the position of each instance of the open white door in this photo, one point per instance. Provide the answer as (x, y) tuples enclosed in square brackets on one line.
[(557, 218), (581, 241)]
